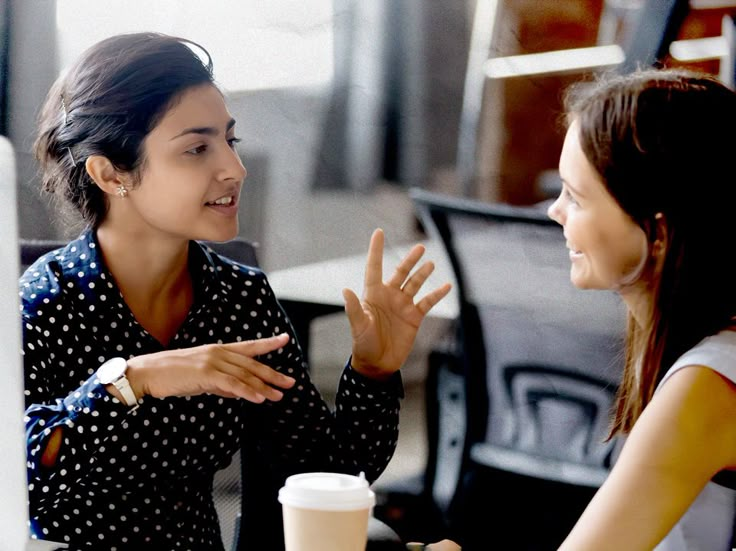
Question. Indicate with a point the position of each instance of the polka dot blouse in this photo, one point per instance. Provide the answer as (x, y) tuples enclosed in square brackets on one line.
[(141, 478)]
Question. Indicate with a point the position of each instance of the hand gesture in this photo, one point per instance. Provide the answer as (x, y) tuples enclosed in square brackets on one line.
[(228, 370), (385, 324)]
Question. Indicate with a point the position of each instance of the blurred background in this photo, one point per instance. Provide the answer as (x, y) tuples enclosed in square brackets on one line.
[(343, 105)]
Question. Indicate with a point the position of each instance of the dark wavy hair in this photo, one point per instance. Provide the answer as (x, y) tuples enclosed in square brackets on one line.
[(663, 142), (106, 104)]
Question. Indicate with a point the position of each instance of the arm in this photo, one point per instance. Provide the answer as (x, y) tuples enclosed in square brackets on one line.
[(683, 438), (61, 417), (300, 433), (364, 431)]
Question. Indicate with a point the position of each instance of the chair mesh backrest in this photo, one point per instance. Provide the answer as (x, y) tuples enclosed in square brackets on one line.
[(547, 355), (517, 276)]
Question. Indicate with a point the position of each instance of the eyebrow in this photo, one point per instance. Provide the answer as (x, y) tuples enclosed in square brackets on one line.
[(205, 130)]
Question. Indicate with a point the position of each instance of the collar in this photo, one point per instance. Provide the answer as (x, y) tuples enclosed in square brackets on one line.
[(81, 262)]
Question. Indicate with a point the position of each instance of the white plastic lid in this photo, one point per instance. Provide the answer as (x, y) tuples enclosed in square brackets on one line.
[(327, 492)]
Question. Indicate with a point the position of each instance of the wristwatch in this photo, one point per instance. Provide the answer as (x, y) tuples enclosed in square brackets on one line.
[(112, 372)]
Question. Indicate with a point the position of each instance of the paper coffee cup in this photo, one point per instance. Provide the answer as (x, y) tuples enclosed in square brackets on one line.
[(326, 511)]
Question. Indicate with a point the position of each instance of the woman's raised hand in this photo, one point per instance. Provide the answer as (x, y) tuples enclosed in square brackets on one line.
[(228, 370), (385, 323)]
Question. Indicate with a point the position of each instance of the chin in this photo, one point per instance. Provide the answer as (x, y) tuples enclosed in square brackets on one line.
[(222, 234), (582, 281), (214, 236)]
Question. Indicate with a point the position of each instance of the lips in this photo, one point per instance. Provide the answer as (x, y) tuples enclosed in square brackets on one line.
[(225, 204), (222, 201), (227, 198), (573, 253)]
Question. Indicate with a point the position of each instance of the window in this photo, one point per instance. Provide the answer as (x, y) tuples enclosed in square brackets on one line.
[(254, 44)]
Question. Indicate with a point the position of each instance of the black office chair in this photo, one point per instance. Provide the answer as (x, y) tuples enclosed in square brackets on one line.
[(535, 370)]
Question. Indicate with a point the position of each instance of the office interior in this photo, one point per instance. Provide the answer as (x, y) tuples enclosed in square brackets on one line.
[(344, 106)]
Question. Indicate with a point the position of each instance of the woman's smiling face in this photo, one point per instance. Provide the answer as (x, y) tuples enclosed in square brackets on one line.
[(608, 249), (191, 177)]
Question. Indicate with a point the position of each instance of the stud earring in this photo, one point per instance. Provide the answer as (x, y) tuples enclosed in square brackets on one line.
[(122, 192)]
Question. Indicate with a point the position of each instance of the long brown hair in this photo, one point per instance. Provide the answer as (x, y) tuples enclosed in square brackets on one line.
[(663, 142)]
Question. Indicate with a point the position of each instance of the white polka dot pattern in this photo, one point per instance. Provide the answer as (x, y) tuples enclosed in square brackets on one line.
[(143, 478)]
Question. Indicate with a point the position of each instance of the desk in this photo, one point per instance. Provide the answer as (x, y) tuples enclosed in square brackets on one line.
[(313, 290)]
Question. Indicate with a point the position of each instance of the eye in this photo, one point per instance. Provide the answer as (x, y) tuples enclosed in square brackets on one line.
[(233, 141), (568, 196), (197, 150)]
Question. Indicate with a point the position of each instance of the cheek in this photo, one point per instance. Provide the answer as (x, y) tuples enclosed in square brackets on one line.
[(171, 186), (623, 254)]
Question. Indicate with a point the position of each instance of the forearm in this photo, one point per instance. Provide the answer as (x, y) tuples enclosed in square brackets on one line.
[(66, 437), (302, 434), (367, 417)]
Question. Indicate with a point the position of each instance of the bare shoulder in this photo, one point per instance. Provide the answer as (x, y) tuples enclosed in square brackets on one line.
[(701, 404)]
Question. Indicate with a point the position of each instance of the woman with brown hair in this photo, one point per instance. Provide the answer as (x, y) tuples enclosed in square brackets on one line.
[(647, 206)]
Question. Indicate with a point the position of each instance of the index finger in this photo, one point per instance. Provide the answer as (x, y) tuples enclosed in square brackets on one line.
[(259, 346), (374, 262)]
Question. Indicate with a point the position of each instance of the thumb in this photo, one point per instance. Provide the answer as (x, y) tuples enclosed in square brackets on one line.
[(354, 311)]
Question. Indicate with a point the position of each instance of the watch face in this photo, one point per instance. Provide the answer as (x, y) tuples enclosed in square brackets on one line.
[(112, 370)]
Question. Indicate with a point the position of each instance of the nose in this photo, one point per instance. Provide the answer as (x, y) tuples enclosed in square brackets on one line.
[(554, 211), (232, 167), (557, 211)]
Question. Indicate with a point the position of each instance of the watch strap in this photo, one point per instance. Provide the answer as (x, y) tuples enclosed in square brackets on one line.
[(123, 385)]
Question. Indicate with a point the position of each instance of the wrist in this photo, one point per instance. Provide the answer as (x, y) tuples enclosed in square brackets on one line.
[(113, 374), (135, 375), (370, 371)]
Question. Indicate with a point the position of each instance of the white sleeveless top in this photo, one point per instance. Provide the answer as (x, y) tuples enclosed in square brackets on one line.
[(708, 523)]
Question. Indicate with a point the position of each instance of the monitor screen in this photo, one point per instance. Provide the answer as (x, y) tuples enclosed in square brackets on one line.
[(14, 533)]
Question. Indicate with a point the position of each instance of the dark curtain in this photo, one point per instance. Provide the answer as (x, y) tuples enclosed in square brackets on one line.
[(394, 107)]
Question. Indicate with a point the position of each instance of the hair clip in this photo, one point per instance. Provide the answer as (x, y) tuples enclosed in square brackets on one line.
[(63, 110), (71, 156)]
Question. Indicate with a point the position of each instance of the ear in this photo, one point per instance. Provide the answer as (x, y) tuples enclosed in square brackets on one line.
[(104, 174)]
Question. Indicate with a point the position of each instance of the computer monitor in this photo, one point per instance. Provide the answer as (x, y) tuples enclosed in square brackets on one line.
[(14, 534)]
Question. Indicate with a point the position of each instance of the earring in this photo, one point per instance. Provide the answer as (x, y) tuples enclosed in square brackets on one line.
[(122, 192)]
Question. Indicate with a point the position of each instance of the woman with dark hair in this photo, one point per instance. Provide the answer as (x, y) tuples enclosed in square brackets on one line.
[(148, 358), (647, 208)]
